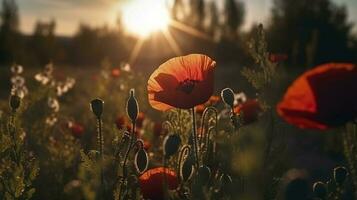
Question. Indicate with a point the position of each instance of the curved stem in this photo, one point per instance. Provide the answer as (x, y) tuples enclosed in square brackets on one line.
[(125, 174), (194, 136), (185, 150)]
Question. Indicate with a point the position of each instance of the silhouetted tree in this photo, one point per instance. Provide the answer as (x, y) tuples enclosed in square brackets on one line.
[(310, 32), (43, 42), (234, 15), (10, 40)]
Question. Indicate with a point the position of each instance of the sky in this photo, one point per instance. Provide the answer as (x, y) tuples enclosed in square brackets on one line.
[(69, 13)]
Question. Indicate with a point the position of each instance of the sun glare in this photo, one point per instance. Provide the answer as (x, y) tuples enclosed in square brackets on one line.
[(143, 17)]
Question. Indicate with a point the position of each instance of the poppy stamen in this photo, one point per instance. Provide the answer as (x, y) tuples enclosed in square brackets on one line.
[(187, 86)]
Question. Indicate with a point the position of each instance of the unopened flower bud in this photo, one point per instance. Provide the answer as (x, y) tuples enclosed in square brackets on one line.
[(97, 107), (227, 95), (132, 107), (340, 174), (320, 190), (15, 102)]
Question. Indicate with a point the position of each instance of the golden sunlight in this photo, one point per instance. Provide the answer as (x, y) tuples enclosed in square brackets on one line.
[(143, 17)]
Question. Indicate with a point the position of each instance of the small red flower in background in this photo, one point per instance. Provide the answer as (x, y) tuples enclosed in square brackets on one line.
[(250, 110), (147, 145), (275, 58), (200, 108), (76, 129), (140, 119), (151, 182), (182, 82), (157, 129), (213, 100), (321, 98), (116, 72), (121, 122)]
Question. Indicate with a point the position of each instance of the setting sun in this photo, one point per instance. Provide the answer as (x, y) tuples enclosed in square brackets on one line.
[(143, 17)]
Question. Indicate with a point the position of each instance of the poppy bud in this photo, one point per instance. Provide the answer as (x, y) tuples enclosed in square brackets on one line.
[(132, 107), (171, 144), (97, 107), (227, 95), (186, 169), (204, 174), (340, 174), (15, 102), (141, 161), (226, 183), (320, 190)]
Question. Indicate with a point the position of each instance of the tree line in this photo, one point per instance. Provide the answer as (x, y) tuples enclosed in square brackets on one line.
[(308, 32)]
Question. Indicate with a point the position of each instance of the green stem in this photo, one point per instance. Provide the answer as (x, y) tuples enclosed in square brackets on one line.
[(125, 173), (100, 143), (194, 136)]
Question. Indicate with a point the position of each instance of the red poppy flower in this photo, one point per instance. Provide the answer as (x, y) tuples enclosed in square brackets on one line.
[(157, 129), (322, 97), (116, 72), (151, 182), (77, 130), (250, 110), (121, 122), (140, 119), (275, 58), (182, 82), (200, 108), (147, 145), (214, 100)]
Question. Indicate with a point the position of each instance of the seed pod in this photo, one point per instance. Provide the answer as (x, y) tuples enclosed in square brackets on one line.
[(97, 107), (204, 174), (186, 169), (15, 102), (320, 190), (340, 174), (227, 95), (171, 144), (141, 161), (132, 107)]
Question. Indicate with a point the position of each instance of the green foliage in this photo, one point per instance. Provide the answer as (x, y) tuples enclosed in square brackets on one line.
[(264, 71), (18, 166)]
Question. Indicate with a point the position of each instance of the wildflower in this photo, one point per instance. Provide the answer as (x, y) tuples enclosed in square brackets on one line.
[(15, 102), (76, 129), (126, 67), (51, 120), (182, 82), (147, 145), (239, 98), (96, 106), (115, 73), (322, 98), (53, 104), (200, 108), (214, 100), (16, 69), (249, 110), (121, 122), (140, 119), (152, 182), (275, 58)]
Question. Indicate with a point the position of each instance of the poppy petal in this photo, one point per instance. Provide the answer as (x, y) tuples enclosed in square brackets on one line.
[(181, 82)]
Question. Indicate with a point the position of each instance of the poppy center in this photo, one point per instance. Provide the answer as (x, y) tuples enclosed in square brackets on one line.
[(187, 85)]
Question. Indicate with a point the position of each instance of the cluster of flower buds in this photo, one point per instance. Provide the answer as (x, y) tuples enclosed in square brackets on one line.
[(18, 87)]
